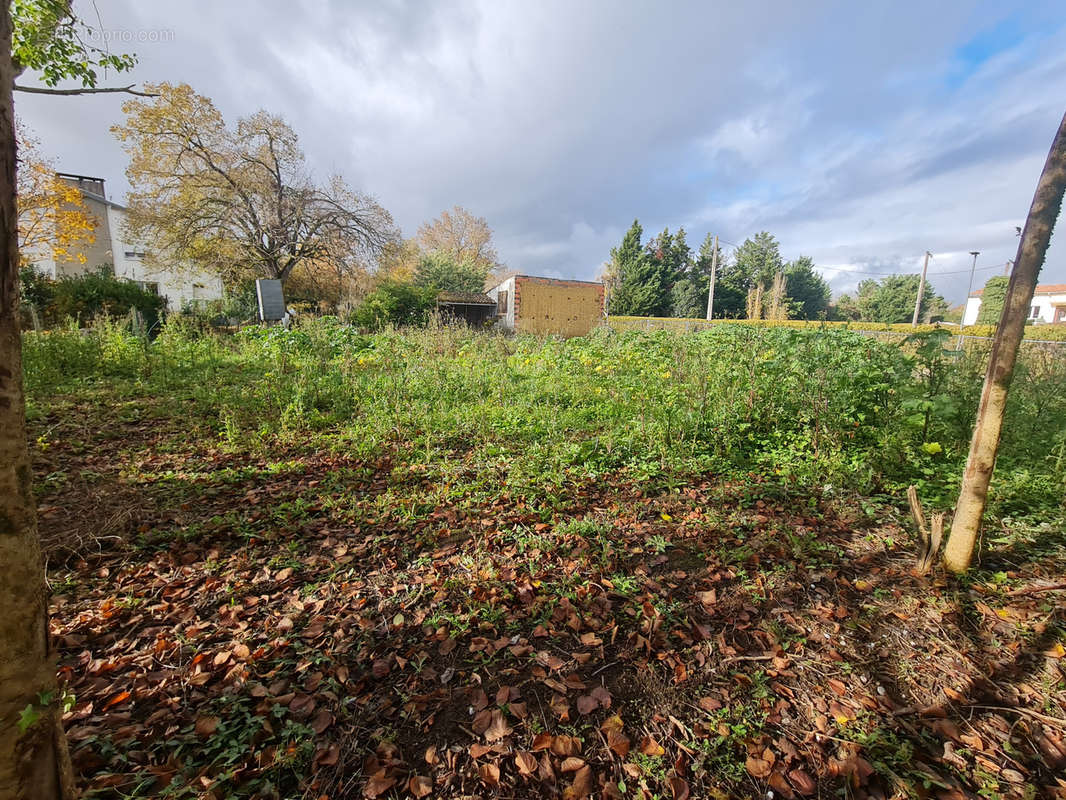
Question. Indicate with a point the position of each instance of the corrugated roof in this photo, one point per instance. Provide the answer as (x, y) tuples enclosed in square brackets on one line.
[(1046, 288), (466, 298)]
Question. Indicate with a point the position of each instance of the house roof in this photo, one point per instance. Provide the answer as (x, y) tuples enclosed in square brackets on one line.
[(1044, 288), (465, 298), (497, 280)]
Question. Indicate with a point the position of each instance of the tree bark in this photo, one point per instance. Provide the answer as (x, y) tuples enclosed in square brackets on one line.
[(34, 764), (1033, 246)]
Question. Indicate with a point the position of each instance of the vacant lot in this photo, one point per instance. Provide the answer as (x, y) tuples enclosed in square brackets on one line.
[(440, 564)]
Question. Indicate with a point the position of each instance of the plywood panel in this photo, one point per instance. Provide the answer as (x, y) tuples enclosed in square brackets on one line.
[(563, 308)]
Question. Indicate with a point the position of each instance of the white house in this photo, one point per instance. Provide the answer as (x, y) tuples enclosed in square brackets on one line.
[(181, 284), (1049, 305)]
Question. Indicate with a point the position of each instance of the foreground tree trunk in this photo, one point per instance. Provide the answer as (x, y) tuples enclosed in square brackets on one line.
[(982, 459), (34, 764)]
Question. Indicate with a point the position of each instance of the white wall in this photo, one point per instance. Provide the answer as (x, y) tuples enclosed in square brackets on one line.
[(181, 284), (1043, 308), (507, 319)]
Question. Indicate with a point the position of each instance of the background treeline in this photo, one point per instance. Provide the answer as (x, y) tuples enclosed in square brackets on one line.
[(665, 277)]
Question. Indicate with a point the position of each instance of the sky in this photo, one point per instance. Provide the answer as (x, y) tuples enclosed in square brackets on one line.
[(860, 134)]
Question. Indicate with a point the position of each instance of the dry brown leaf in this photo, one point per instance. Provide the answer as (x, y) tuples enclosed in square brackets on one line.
[(571, 764), (583, 785), (650, 747), (420, 786), (498, 729), (526, 763), (206, 725), (490, 774)]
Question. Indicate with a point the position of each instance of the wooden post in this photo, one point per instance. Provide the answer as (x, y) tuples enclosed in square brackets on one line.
[(921, 291), (1032, 248), (714, 273)]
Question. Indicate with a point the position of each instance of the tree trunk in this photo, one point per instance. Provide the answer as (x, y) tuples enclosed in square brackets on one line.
[(34, 764), (982, 459)]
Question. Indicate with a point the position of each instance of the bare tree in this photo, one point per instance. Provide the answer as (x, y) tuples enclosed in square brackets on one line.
[(238, 201), (1032, 248), (461, 236)]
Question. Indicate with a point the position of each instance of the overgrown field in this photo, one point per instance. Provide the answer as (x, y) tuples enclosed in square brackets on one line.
[(438, 563)]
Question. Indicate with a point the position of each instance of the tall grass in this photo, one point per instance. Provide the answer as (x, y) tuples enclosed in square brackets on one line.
[(809, 406)]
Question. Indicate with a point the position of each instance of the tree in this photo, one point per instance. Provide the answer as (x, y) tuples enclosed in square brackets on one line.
[(641, 290), (981, 461), (992, 299), (892, 300), (399, 260), (461, 236), (49, 39), (238, 201), (845, 308), (395, 304), (807, 291), (755, 263), (53, 219), (439, 271), (34, 762)]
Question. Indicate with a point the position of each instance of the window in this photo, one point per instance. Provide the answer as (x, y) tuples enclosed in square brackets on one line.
[(501, 302), (135, 255), (1034, 312), (148, 286)]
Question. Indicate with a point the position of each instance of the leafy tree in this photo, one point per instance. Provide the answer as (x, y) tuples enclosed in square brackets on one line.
[(892, 300), (440, 271), (992, 298), (755, 263), (807, 291), (53, 220), (642, 288), (846, 307), (50, 40), (463, 237), (238, 201), (395, 303)]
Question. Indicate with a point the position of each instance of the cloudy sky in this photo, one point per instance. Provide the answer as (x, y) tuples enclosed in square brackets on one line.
[(861, 134)]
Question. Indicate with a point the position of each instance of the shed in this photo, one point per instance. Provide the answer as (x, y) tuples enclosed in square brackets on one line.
[(473, 308), (530, 304)]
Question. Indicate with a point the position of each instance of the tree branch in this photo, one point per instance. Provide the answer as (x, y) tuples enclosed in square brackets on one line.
[(102, 90)]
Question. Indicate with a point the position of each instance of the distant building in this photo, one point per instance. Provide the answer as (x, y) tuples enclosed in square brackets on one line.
[(181, 285), (527, 304), (1049, 305)]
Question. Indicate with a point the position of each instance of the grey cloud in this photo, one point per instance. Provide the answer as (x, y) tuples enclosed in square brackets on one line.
[(834, 125)]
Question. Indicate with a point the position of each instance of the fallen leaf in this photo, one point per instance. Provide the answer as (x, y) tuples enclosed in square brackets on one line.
[(582, 787), (650, 747), (490, 774), (378, 784), (420, 786), (526, 763), (205, 726), (571, 764)]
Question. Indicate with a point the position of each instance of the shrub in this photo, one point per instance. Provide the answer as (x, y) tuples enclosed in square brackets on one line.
[(85, 297), (395, 304)]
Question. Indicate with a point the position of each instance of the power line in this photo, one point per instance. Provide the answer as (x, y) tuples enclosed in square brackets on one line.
[(896, 272)]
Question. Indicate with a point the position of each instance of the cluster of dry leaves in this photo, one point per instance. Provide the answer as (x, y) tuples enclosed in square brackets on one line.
[(278, 632)]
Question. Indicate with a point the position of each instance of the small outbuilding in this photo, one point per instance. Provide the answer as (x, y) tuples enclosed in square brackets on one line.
[(473, 308), (528, 304)]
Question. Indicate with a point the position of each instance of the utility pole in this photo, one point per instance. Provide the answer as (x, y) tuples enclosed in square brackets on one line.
[(714, 274), (921, 290), (973, 269)]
